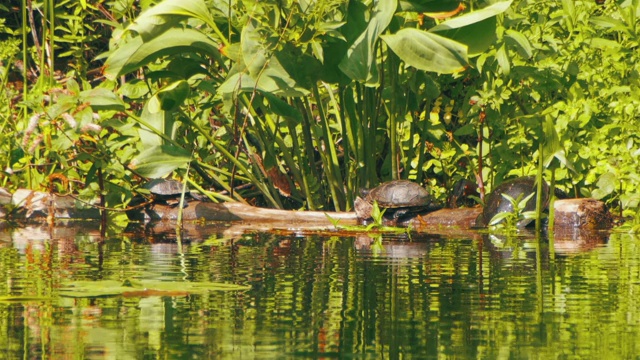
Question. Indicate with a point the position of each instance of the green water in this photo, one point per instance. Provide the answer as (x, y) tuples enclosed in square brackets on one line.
[(321, 297)]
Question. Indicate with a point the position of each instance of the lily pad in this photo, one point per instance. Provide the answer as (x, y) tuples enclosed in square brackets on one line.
[(23, 298), (143, 288)]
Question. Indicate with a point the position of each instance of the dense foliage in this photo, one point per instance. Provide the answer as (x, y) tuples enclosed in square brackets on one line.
[(298, 104)]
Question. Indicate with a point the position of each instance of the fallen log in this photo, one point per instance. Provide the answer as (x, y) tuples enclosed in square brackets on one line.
[(586, 214), (196, 210)]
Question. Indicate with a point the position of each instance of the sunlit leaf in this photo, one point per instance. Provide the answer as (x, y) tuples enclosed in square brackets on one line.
[(427, 51), (159, 161), (136, 53), (168, 13), (102, 99), (263, 69), (430, 6), (360, 61), (170, 97), (476, 29), (523, 46), (607, 184), (503, 60)]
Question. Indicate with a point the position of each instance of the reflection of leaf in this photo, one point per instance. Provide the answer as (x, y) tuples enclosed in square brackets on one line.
[(143, 288), (23, 298)]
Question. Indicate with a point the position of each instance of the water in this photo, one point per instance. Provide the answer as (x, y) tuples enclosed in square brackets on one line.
[(311, 296)]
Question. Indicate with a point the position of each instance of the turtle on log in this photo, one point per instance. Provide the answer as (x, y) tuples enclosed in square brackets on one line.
[(399, 198), (167, 192), (520, 187)]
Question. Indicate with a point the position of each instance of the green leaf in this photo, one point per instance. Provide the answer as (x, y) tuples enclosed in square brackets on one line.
[(523, 46), (102, 99), (503, 60), (429, 6), (159, 161), (427, 51), (360, 61), (282, 108), (476, 29), (262, 69), (159, 122), (499, 217), (167, 14), (137, 53), (170, 97), (607, 184)]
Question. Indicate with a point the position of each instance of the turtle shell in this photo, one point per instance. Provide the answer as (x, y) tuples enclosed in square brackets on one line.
[(165, 188), (399, 194), (523, 186)]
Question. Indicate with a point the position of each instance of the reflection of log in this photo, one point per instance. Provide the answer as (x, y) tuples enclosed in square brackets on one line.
[(452, 222), (569, 241)]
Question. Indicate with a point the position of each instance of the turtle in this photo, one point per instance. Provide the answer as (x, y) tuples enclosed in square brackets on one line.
[(168, 192), (520, 187), (399, 197)]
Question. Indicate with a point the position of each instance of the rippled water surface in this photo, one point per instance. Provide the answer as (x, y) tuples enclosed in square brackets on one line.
[(312, 296)]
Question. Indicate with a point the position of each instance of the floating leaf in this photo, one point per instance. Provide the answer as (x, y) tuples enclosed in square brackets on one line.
[(23, 298), (143, 288)]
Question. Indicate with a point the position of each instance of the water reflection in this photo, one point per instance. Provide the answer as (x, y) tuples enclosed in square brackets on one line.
[(314, 296)]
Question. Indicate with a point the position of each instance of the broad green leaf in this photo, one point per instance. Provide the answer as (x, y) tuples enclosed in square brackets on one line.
[(607, 184), (360, 61), (161, 122), (167, 14), (429, 6), (466, 129), (134, 89), (608, 23), (427, 51), (262, 69), (600, 43), (102, 99), (137, 53), (523, 46), (282, 108), (503, 60), (551, 140), (159, 161), (476, 29), (170, 97)]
